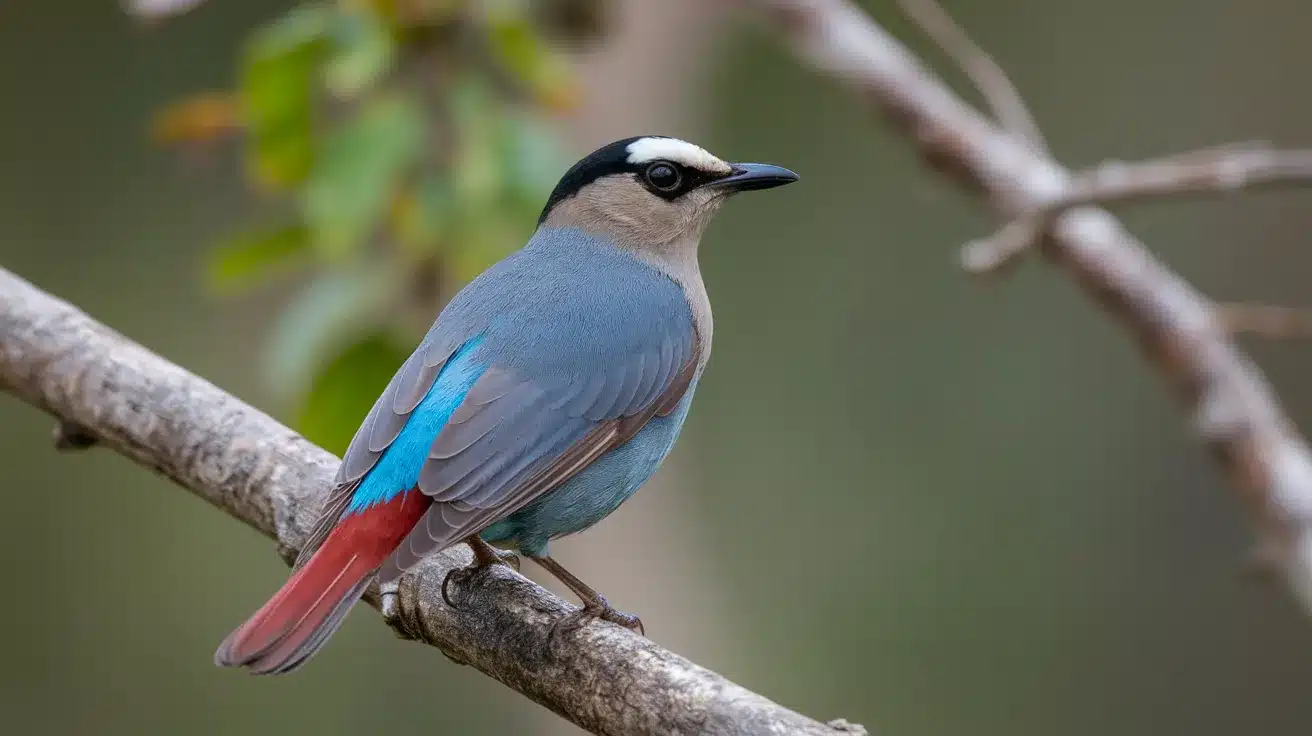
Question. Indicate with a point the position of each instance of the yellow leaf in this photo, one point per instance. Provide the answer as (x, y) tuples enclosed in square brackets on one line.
[(202, 118)]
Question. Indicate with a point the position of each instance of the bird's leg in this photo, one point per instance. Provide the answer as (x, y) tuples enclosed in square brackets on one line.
[(485, 556), (594, 606)]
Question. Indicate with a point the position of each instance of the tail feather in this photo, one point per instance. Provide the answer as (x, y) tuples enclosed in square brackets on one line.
[(292, 652), (299, 619), (312, 645), (304, 605)]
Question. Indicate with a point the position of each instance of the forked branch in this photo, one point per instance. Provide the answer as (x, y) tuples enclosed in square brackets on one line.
[(1227, 399), (1220, 170)]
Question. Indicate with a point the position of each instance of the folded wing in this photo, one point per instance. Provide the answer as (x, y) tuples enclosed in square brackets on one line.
[(517, 436)]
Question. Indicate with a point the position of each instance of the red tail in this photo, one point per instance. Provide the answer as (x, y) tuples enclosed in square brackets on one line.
[(314, 601)]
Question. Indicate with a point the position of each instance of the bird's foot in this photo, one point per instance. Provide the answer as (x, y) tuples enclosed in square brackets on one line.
[(591, 611), (459, 577), (485, 555), (485, 558), (602, 610), (507, 558)]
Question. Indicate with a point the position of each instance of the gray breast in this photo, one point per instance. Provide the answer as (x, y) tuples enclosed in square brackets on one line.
[(596, 491)]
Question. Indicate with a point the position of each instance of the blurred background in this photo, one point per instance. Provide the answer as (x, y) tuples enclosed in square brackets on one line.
[(981, 514)]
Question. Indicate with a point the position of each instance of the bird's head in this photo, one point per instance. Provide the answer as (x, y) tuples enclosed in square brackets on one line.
[(652, 191)]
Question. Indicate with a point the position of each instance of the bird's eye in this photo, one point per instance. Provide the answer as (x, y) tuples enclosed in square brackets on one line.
[(664, 176)]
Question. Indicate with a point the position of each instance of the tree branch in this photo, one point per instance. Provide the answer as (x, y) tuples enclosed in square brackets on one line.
[(604, 678), (1267, 320), (1227, 399), (1219, 170), (1002, 97)]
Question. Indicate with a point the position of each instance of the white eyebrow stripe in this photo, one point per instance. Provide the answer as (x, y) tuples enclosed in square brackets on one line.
[(680, 152)]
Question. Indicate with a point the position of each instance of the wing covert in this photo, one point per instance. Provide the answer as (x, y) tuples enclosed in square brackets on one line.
[(380, 428), (578, 342), (497, 455)]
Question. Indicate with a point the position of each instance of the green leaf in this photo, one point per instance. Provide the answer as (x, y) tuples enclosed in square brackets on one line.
[(533, 160), (301, 26), (277, 99), (477, 175), (250, 257), (333, 309), (277, 103), (344, 390), (482, 225), (425, 215), (358, 173), (483, 241), (515, 43), (365, 51), (198, 119)]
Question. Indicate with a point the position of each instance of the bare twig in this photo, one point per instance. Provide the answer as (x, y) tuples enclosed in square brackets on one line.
[(1231, 405), (1003, 99), (1269, 321), (603, 678), (1220, 170)]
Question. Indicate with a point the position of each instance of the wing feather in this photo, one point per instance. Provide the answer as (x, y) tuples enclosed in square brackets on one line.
[(656, 374), (415, 378), (531, 455), (376, 433), (633, 377), (590, 392), (386, 424)]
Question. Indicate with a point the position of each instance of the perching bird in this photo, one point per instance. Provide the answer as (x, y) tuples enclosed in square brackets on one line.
[(547, 391)]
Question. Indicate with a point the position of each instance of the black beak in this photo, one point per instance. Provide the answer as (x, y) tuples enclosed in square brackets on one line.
[(746, 177)]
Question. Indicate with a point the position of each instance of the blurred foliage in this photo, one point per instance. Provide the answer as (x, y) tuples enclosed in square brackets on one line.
[(405, 142), (334, 396)]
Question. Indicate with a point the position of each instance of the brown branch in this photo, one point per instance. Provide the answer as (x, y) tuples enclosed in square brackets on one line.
[(1003, 99), (1266, 320), (1226, 397), (1219, 170), (603, 678)]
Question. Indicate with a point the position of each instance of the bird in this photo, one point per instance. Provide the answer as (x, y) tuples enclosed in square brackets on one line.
[(547, 391)]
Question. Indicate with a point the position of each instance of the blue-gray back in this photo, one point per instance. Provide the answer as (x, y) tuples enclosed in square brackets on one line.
[(542, 364), (565, 304)]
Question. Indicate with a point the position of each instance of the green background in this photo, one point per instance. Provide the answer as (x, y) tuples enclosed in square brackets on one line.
[(923, 503)]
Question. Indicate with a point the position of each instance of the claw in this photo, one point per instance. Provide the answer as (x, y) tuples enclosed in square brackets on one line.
[(591, 611), (620, 618), (602, 610), (594, 605), (446, 583), (485, 556)]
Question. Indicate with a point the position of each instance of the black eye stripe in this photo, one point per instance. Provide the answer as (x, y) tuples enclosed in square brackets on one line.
[(613, 159), (686, 179)]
